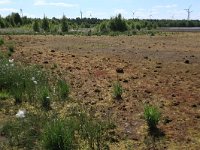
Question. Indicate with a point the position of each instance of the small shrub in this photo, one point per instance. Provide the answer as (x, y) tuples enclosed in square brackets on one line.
[(59, 135), (36, 27), (64, 24), (63, 89), (45, 24), (152, 33), (118, 24), (117, 90), (103, 27), (138, 27), (152, 117)]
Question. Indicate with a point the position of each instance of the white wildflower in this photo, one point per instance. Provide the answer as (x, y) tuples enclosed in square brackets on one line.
[(21, 113), (35, 82), (33, 78), (11, 60)]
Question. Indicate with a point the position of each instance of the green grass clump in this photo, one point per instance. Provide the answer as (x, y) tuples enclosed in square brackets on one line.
[(1, 41), (78, 130), (21, 82), (11, 48), (3, 55), (24, 133), (41, 130), (45, 99), (4, 95), (94, 131), (59, 135), (117, 90), (17, 94), (152, 117), (63, 90)]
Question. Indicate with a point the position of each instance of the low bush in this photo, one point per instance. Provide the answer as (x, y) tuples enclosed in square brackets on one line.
[(103, 27), (118, 24)]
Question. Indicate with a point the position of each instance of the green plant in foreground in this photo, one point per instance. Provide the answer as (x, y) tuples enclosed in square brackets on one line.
[(63, 89), (4, 95), (95, 132), (22, 82), (59, 135), (11, 48), (117, 90), (1, 41), (4, 55), (23, 134), (17, 93), (45, 98), (152, 116)]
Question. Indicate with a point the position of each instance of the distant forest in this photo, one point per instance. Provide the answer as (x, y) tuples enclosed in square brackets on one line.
[(117, 23)]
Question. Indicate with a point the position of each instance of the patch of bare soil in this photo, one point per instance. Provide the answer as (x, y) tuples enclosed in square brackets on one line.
[(163, 70)]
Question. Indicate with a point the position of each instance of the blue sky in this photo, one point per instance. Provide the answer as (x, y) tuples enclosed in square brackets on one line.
[(155, 9)]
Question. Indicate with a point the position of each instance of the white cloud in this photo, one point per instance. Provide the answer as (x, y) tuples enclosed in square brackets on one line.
[(57, 4), (8, 10), (5, 2)]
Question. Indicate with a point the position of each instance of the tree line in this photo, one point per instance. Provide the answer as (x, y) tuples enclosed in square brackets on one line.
[(117, 23)]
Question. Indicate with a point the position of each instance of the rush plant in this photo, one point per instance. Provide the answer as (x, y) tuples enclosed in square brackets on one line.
[(117, 90), (152, 116)]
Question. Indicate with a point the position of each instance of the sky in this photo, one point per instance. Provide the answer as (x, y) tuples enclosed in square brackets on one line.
[(142, 9)]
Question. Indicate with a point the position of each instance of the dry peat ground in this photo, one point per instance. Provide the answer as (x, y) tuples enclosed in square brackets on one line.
[(162, 70)]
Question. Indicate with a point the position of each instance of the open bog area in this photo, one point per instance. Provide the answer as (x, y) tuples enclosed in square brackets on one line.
[(100, 86)]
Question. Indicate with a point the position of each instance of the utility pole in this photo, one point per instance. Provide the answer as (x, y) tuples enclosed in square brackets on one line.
[(188, 12)]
